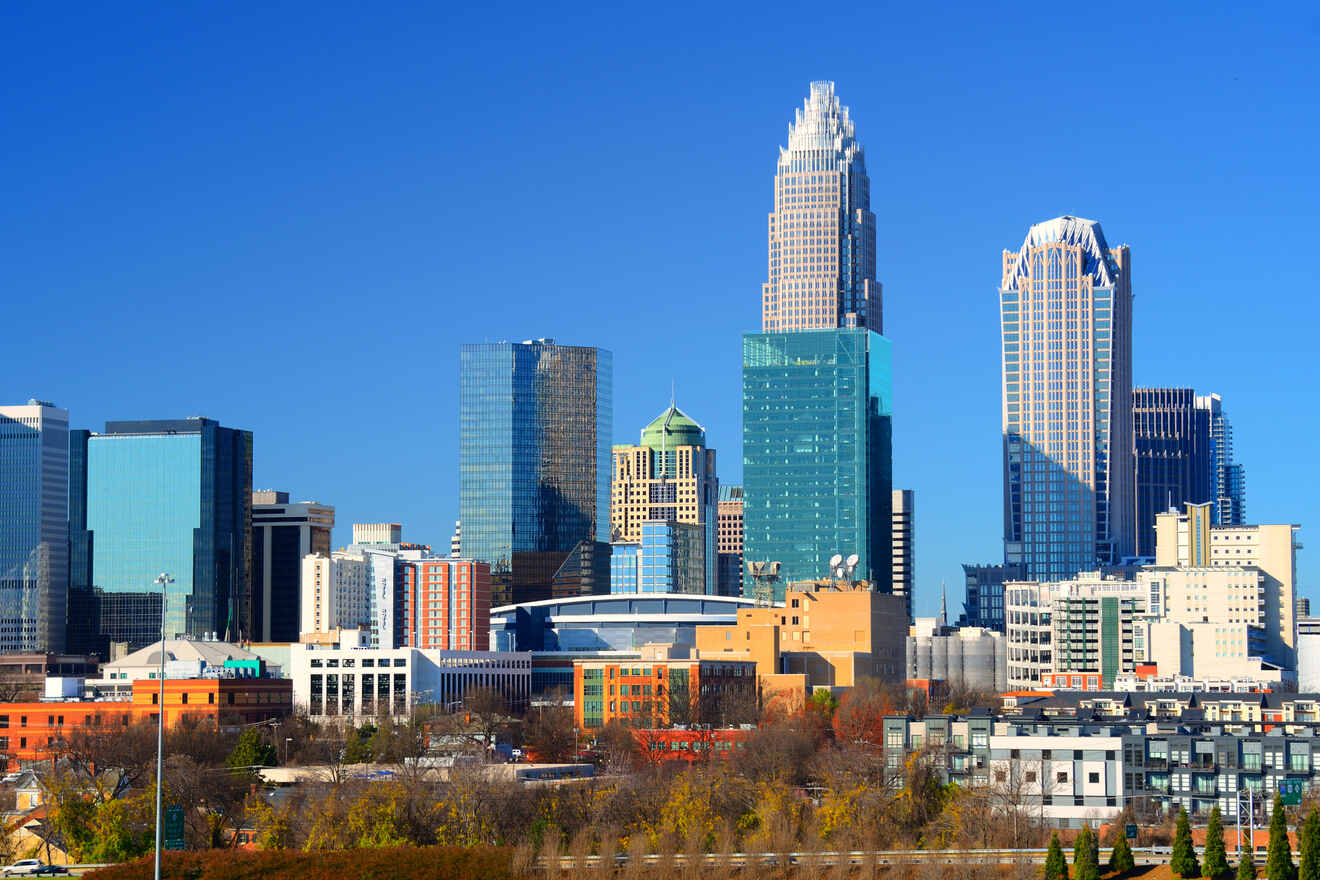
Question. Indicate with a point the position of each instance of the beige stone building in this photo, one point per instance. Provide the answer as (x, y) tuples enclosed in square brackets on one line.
[(830, 633)]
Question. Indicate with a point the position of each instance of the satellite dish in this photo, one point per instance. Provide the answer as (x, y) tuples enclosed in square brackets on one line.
[(853, 559), (835, 560), (755, 568), (774, 569)]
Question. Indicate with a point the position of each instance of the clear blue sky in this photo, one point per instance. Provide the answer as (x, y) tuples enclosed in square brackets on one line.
[(288, 218)]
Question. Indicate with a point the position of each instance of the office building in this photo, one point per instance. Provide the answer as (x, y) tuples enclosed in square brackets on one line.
[(668, 478), (729, 541), (822, 263), (390, 534), (535, 422), (337, 592), (903, 552), (1172, 444), (282, 534), (351, 680), (34, 526), (1066, 318), (668, 557), (170, 496), (648, 693), (447, 604), (1189, 539), (456, 541), (817, 452), (983, 605), (1229, 480)]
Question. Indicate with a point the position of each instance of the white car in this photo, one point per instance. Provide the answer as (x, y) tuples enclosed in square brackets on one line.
[(24, 868), (11, 778)]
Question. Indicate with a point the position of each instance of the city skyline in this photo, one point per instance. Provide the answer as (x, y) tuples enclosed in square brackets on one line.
[(266, 234)]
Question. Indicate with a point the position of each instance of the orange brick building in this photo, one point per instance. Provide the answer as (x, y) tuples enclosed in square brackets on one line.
[(30, 731), (658, 693), (446, 604)]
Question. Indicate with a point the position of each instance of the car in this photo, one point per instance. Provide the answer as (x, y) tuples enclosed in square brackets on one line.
[(24, 868), (11, 778), (47, 870)]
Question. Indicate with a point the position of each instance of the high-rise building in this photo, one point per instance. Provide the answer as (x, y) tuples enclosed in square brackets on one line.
[(1066, 318), (822, 265), (729, 540), (817, 453), (1229, 480), (667, 557), (34, 526), (668, 477), (983, 605), (1171, 440), (448, 602), (535, 422), (337, 592), (282, 534), (903, 515), (170, 496)]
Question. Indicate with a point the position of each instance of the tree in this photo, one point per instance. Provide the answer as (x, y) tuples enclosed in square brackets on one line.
[(1120, 858), (1278, 860), (110, 759), (1246, 867), (1086, 855), (250, 751), (548, 733), (1216, 861), (1184, 862), (1309, 862), (1056, 867)]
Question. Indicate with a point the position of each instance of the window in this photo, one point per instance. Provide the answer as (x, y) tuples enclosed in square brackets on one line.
[(1031, 776), (1093, 777), (1061, 776)]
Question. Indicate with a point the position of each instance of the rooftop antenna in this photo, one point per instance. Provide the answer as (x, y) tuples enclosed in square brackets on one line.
[(944, 608)]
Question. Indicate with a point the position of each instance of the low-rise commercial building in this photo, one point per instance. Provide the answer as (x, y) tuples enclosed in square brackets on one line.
[(655, 693)]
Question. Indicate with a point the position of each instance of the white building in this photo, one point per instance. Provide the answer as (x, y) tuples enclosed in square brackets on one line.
[(1070, 780), (184, 658), (353, 682), (34, 526), (377, 533), (336, 591), (968, 656)]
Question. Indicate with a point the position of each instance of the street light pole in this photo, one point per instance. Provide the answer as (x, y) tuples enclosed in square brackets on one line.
[(164, 579)]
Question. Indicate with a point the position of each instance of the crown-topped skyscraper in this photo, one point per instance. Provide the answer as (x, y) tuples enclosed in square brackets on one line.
[(822, 271), (816, 380)]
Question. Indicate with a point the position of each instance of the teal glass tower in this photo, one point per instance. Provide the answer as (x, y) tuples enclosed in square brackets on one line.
[(153, 496), (817, 453)]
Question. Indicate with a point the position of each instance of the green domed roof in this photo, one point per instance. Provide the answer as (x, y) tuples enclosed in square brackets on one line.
[(682, 431)]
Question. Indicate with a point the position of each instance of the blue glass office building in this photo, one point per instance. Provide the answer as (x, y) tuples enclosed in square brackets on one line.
[(34, 547), (535, 430), (172, 496), (817, 451)]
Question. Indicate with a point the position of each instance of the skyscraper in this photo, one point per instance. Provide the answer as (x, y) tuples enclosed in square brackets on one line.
[(1228, 479), (668, 477), (903, 515), (729, 540), (34, 526), (1066, 319), (535, 423), (282, 534), (172, 496), (816, 381), (822, 267), (1171, 438), (816, 453)]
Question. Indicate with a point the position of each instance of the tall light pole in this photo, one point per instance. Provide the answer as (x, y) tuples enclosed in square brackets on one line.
[(164, 579)]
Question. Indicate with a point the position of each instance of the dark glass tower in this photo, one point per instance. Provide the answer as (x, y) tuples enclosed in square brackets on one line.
[(172, 496), (535, 429), (1174, 458)]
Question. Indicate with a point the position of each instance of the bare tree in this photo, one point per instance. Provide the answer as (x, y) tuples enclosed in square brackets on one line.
[(111, 760), (548, 731)]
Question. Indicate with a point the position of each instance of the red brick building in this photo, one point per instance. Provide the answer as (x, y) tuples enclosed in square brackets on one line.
[(446, 604)]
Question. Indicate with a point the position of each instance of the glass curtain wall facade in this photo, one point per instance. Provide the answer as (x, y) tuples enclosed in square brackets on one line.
[(817, 452), (1228, 480), (822, 265), (535, 430), (1171, 437), (34, 526), (172, 496), (1066, 318)]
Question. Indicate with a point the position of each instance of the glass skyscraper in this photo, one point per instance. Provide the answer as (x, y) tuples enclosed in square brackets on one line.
[(163, 496), (1228, 479), (535, 429), (1066, 320), (816, 382), (822, 267), (34, 546), (1171, 441), (817, 451)]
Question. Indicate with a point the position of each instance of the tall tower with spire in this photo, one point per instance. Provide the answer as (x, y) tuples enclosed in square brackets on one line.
[(816, 381), (822, 271)]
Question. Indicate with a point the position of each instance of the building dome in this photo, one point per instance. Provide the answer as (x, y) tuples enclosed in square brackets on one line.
[(671, 429)]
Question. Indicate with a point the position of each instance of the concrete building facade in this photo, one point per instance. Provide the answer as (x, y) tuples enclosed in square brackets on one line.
[(336, 592), (968, 657), (903, 545), (729, 541), (282, 534)]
